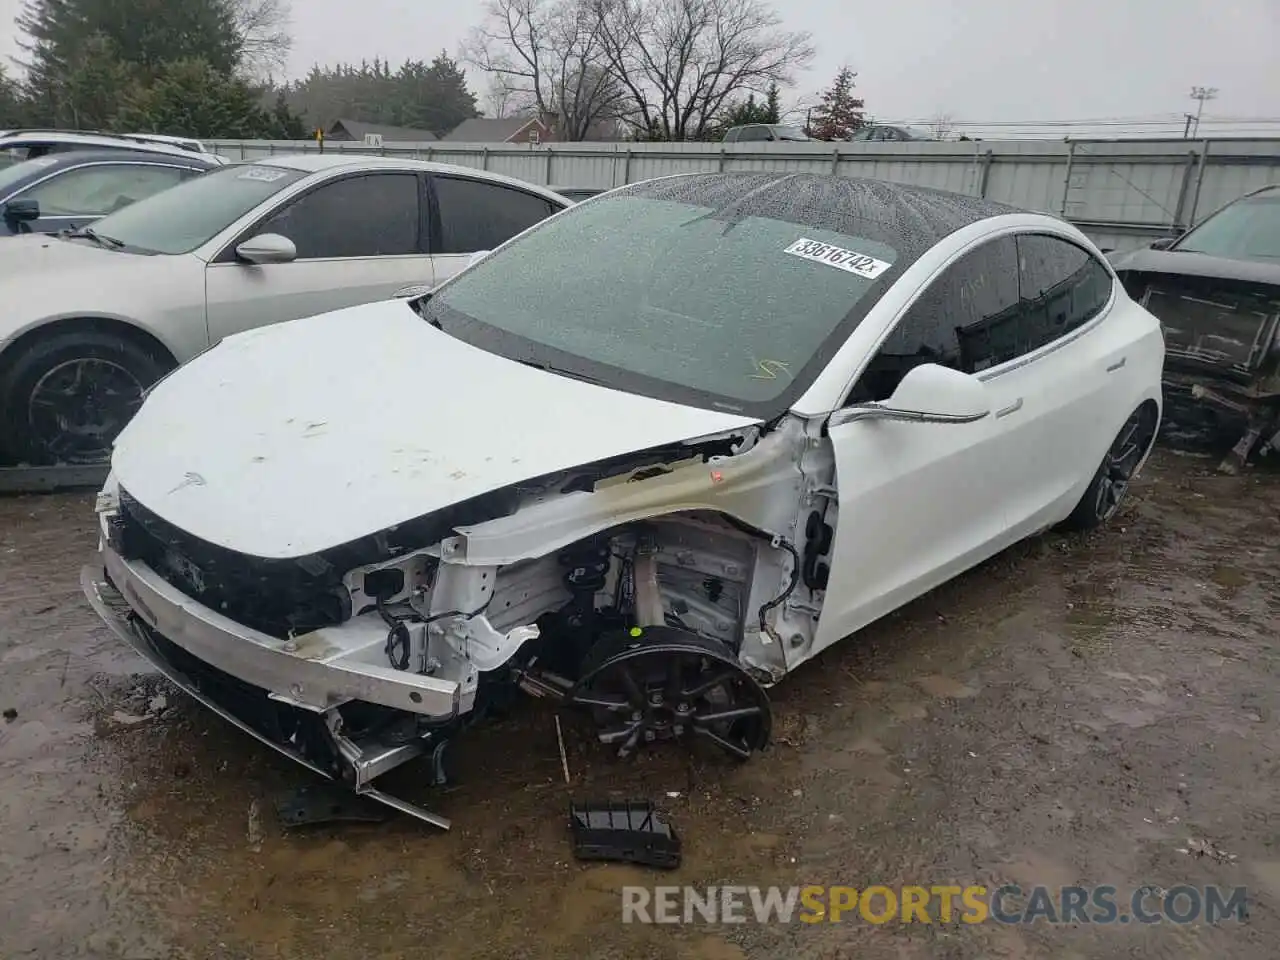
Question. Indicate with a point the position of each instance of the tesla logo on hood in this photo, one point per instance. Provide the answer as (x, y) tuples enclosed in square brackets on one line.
[(189, 480)]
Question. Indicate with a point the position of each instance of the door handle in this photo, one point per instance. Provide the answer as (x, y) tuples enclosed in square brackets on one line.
[(1117, 365), (1011, 408)]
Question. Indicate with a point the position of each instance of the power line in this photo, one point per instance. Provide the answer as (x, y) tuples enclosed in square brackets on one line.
[(1168, 121)]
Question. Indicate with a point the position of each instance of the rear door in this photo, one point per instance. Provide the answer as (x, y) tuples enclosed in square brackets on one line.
[(360, 238), (469, 216), (1063, 364)]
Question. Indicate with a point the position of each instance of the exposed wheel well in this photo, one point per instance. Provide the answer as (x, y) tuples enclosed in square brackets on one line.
[(126, 331), (1154, 407)]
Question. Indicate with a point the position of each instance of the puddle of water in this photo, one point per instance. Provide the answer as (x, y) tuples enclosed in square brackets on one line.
[(713, 948), (945, 687), (909, 711), (1232, 578)]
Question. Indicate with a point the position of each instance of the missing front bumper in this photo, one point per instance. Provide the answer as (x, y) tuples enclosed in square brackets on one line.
[(139, 614)]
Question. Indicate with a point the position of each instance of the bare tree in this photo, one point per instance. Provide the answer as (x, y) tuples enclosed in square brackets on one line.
[(262, 27), (548, 54), (502, 100), (798, 111), (941, 126), (680, 61)]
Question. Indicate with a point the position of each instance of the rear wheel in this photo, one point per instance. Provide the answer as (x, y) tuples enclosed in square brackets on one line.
[(65, 397), (1111, 482)]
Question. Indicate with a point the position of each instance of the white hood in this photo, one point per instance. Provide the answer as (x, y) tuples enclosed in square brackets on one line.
[(300, 436)]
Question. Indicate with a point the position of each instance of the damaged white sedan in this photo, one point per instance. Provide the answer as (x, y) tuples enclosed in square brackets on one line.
[(646, 458)]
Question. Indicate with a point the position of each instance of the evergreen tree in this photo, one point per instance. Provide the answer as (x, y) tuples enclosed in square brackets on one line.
[(772, 109), (840, 114), (428, 96), (144, 35), (192, 97), (289, 126)]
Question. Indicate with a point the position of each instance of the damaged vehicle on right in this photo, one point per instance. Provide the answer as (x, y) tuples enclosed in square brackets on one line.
[(1216, 290)]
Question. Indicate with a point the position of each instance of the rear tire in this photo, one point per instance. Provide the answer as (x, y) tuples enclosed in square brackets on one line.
[(65, 397), (1111, 482)]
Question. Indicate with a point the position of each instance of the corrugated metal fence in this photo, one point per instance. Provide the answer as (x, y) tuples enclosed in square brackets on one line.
[(1122, 193)]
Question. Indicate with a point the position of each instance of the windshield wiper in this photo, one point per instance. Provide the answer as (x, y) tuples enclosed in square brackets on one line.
[(548, 368), (88, 233), (419, 306)]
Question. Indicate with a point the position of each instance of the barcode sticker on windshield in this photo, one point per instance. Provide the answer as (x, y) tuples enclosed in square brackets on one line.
[(848, 260), (261, 174)]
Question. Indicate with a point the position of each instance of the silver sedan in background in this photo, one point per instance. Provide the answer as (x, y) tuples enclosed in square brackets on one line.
[(96, 315)]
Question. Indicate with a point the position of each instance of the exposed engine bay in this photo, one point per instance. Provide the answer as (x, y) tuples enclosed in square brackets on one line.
[(661, 593)]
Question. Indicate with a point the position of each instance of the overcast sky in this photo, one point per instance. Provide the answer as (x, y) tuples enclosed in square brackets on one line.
[(978, 60)]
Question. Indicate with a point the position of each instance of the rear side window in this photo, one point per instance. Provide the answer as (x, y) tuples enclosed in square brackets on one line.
[(1002, 300), (1062, 288), (475, 215)]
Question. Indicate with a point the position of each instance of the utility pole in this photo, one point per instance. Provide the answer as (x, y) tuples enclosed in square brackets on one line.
[(1200, 94)]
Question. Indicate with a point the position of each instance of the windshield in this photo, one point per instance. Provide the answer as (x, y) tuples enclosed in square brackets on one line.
[(671, 300), (13, 173), (789, 133), (1248, 229), (182, 218)]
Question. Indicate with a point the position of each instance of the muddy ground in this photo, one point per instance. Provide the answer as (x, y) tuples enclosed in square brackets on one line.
[(1077, 711)]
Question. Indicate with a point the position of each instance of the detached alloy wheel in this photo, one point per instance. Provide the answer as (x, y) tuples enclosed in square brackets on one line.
[(66, 397), (1111, 482)]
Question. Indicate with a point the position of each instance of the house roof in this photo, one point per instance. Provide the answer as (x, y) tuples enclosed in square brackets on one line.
[(356, 129), (486, 130)]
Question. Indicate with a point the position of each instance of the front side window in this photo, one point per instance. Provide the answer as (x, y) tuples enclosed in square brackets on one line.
[(967, 319), (100, 189), (1062, 288), (375, 215), (711, 306), (753, 134), (195, 211), (1248, 229), (475, 215)]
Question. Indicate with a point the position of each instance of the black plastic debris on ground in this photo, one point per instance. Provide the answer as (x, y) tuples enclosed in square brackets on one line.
[(628, 831), (327, 803)]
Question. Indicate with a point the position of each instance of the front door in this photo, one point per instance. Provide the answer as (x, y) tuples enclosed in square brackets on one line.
[(359, 239), (921, 502)]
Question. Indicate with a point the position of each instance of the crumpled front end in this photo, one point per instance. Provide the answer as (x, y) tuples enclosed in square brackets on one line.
[(327, 697), (661, 591), (1222, 350)]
